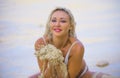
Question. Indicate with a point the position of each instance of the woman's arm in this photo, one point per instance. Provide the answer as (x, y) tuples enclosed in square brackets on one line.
[(37, 46), (48, 69), (75, 60)]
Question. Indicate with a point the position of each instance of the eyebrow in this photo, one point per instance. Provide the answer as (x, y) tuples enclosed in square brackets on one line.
[(60, 18)]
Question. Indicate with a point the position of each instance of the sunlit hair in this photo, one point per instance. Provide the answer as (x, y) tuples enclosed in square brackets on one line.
[(72, 22)]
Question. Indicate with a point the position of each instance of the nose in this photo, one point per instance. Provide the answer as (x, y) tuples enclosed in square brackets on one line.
[(57, 24)]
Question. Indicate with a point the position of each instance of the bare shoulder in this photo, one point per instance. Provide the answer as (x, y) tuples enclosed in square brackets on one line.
[(38, 43), (78, 44), (76, 57), (78, 48)]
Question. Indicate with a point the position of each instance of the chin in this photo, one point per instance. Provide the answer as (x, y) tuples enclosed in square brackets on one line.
[(57, 35)]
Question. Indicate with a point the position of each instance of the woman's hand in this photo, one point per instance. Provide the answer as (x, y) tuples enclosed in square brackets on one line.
[(49, 71)]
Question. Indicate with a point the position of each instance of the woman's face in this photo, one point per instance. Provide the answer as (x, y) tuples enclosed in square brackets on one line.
[(59, 23)]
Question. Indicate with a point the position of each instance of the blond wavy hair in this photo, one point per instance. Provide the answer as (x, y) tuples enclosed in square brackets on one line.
[(72, 22)]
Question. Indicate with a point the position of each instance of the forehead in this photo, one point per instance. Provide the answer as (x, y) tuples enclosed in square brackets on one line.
[(60, 14)]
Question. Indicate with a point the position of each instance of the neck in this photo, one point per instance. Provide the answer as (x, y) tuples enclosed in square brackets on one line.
[(60, 42)]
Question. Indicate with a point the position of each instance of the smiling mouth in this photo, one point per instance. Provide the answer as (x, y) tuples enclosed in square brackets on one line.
[(57, 30)]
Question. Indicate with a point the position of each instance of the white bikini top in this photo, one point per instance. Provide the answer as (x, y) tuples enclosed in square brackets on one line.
[(68, 53)]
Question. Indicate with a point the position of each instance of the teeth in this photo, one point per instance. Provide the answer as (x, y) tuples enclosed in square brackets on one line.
[(57, 30)]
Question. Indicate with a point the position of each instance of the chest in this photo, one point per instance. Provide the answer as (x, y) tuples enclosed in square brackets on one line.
[(65, 50)]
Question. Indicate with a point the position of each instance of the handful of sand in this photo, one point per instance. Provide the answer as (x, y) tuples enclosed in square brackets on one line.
[(55, 60)]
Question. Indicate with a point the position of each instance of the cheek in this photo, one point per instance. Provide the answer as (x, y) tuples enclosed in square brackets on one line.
[(51, 26), (66, 29)]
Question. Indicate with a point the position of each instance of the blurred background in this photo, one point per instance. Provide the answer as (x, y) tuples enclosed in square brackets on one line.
[(22, 22)]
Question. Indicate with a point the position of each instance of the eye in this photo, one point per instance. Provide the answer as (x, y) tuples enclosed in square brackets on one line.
[(53, 20), (63, 21)]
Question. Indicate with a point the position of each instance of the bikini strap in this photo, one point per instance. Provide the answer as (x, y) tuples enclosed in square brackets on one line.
[(44, 40), (68, 53), (84, 71)]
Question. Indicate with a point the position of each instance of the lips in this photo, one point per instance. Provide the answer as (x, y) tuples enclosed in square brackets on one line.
[(57, 30)]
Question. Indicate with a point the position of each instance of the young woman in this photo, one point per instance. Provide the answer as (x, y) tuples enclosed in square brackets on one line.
[(60, 32)]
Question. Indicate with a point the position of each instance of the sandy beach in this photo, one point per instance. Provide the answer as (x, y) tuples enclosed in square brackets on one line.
[(22, 22)]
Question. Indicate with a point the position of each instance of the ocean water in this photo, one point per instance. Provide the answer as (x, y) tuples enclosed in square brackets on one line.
[(22, 22)]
